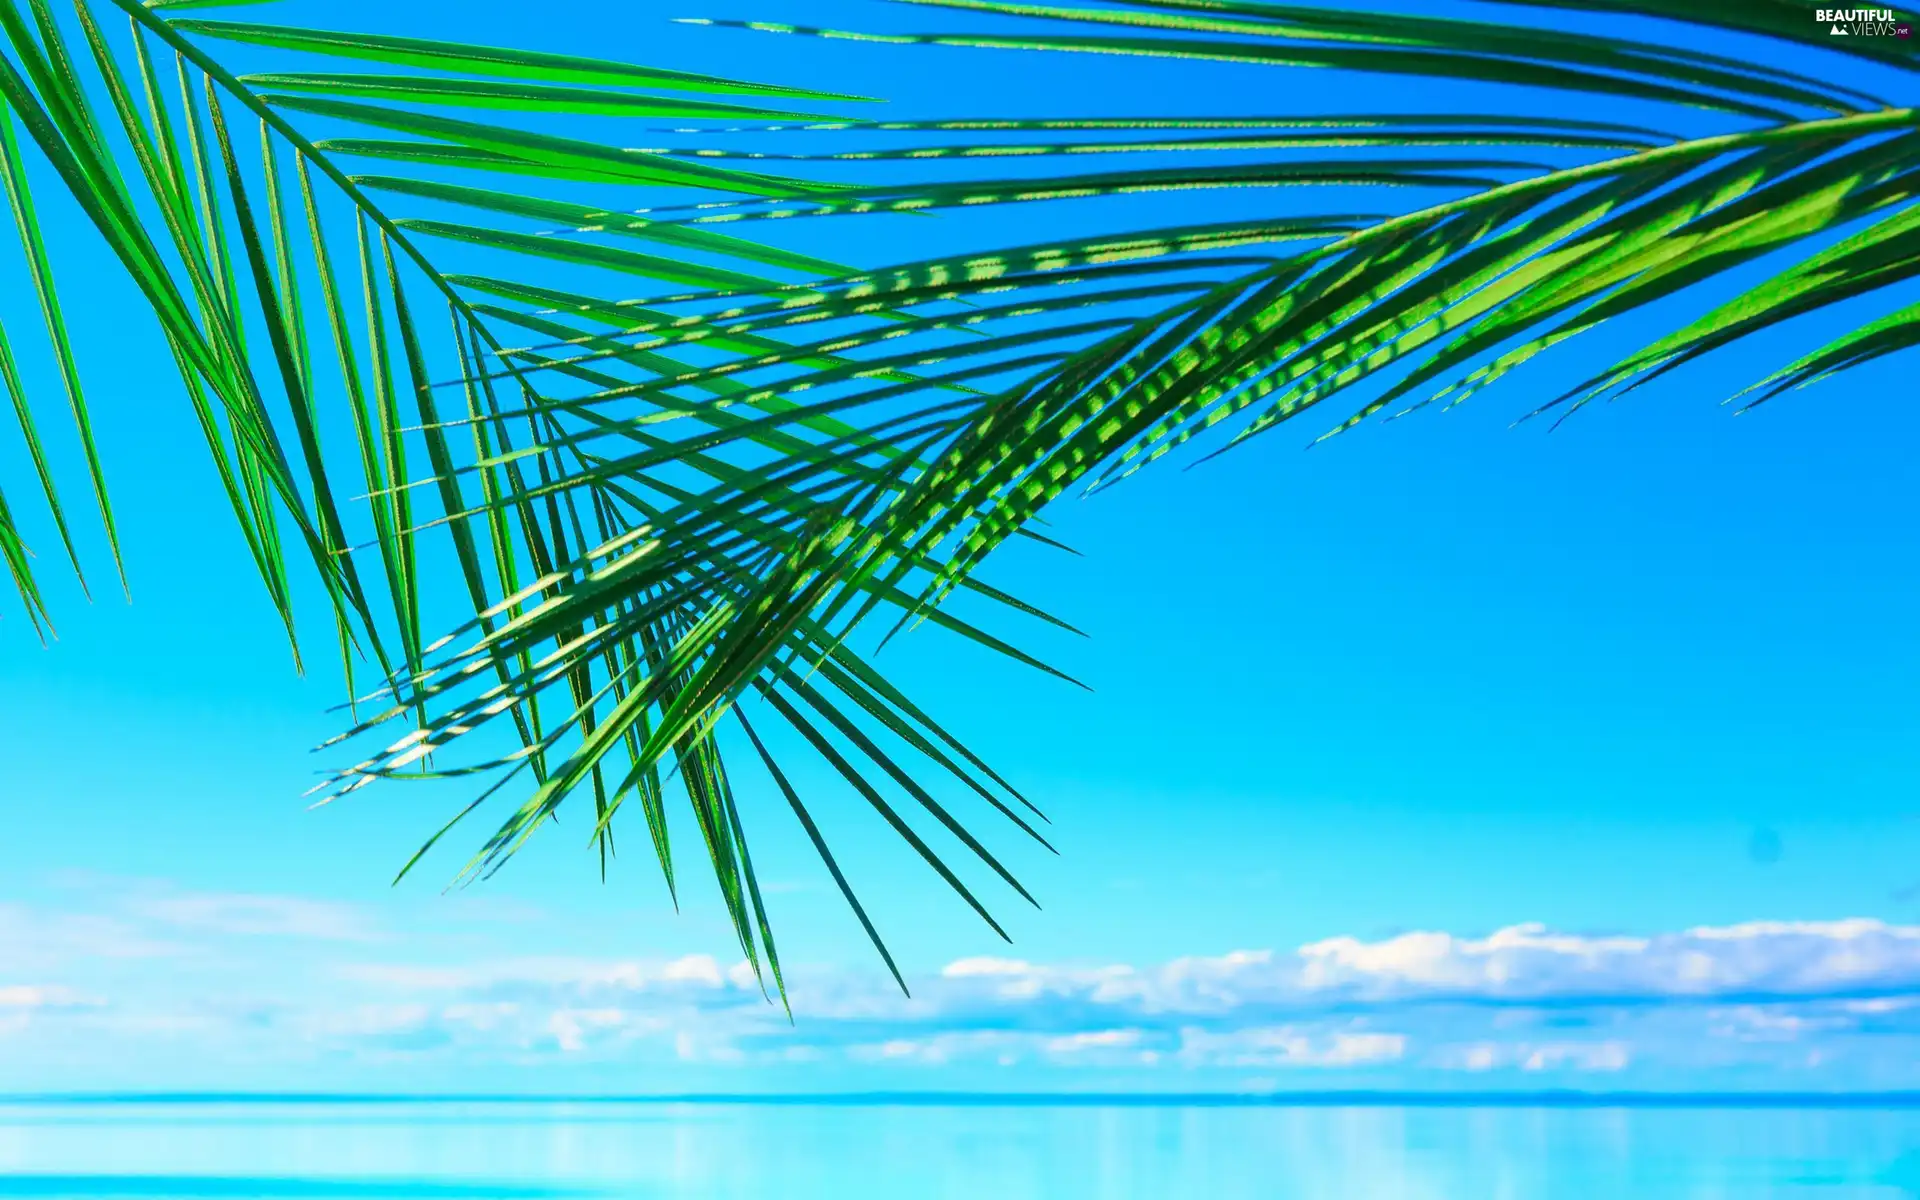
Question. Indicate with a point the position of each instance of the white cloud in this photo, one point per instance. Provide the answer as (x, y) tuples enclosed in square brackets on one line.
[(571, 1027), (1441, 961), (25, 996), (1529, 962), (1519, 964), (255, 915), (696, 1044), (1101, 1039), (940, 1049), (1604, 1055), (697, 972), (1418, 1001), (694, 968), (974, 968), (31, 939), (372, 1020), (1882, 1004), (24, 1006), (1584, 1056), (1290, 1046), (1525, 1002)]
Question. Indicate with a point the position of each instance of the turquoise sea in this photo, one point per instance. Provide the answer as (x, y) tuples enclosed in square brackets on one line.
[(925, 1147)]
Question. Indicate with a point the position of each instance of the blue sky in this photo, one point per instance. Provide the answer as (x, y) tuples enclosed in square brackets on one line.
[(1444, 755)]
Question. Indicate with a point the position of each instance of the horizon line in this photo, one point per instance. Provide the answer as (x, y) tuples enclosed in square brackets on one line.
[(1317, 1098)]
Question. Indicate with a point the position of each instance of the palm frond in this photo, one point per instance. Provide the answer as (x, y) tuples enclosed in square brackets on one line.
[(625, 586), (1472, 286), (679, 467)]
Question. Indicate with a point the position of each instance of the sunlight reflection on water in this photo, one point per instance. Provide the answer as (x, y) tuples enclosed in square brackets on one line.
[(527, 1150)]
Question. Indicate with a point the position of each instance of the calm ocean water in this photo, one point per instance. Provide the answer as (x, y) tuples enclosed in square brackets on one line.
[(472, 1151)]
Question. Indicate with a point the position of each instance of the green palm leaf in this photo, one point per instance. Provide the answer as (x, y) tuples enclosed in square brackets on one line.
[(620, 608), (678, 470)]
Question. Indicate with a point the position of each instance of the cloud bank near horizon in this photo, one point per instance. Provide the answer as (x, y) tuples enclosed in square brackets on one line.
[(281, 980)]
